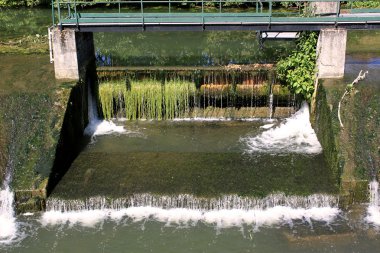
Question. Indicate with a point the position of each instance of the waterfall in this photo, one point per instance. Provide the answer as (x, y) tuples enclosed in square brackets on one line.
[(373, 212), (8, 226), (271, 102), (97, 126), (224, 211), (295, 135)]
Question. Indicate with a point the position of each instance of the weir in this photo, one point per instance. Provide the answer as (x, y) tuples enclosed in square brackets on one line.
[(156, 154)]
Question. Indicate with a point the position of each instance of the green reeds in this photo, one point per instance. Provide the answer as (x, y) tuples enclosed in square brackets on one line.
[(177, 95), (146, 99)]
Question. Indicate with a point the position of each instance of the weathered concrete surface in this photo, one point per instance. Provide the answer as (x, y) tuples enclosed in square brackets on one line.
[(324, 8), (331, 53), (73, 51), (351, 152)]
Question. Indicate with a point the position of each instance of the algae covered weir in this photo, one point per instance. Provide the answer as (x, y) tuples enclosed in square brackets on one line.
[(189, 126)]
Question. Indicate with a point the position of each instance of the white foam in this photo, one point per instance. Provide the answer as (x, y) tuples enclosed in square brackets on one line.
[(97, 126), (373, 211), (212, 119), (295, 135), (8, 226), (102, 127), (181, 216), (267, 126)]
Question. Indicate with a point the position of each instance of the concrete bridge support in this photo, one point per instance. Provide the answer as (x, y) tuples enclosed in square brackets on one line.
[(324, 8), (331, 53), (73, 52)]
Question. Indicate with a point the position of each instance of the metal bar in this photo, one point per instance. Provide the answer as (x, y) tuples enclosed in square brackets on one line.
[(50, 44), (76, 14), (257, 7), (270, 8), (119, 7), (202, 7), (68, 8), (220, 6), (170, 7), (142, 13), (338, 8), (195, 1), (351, 4), (59, 14), (52, 12)]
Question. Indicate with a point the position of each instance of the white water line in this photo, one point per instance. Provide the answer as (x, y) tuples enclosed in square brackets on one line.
[(50, 38)]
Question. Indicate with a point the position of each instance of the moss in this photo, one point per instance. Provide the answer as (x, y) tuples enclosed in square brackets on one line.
[(28, 44), (352, 152), (34, 122), (327, 135), (3, 149)]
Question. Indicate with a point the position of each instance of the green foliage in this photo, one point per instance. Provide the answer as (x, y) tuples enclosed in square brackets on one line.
[(366, 4), (297, 71), (29, 3), (146, 99)]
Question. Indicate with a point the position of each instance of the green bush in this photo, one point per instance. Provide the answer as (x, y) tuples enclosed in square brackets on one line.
[(366, 4), (297, 71), (29, 3)]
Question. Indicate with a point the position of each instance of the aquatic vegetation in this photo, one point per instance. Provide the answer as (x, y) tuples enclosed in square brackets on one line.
[(166, 95), (146, 99)]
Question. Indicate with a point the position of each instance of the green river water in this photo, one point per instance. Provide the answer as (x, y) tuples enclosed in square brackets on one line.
[(191, 186)]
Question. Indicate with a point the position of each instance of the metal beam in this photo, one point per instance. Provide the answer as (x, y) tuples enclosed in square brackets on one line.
[(274, 27)]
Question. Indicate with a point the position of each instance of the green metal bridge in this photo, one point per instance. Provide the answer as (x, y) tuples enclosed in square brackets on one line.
[(208, 15)]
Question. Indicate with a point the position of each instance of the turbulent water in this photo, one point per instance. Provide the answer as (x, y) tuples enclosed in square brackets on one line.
[(294, 135), (374, 208), (223, 212), (97, 126), (8, 227), (148, 220)]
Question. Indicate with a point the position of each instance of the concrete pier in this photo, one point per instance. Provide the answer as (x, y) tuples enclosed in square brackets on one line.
[(331, 53), (324, 8), (73, 52)]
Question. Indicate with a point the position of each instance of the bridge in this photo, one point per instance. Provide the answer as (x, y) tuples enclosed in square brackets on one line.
[(75, 21), (210, 15)]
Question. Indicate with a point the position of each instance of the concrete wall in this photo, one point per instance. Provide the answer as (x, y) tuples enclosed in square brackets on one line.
[(324, 8), (73, 52), (331, 53)]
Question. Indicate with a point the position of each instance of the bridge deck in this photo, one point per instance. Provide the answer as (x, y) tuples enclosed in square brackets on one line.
[(227, 21), (259, 16)]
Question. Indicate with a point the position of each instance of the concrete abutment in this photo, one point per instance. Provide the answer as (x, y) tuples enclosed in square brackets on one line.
[(73, 53), (331, 53)]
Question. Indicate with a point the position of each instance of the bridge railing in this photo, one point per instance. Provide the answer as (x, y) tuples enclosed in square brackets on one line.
[(75, 10)]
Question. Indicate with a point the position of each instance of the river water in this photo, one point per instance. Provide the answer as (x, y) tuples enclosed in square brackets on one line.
[(197, 186)]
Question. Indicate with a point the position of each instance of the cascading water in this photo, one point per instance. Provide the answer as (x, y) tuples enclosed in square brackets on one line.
[(97, 126), (184, 209), (295, 135), (224, 211), (374, 208), (8, 226)]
